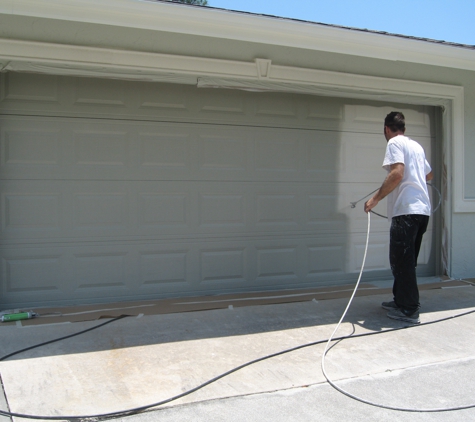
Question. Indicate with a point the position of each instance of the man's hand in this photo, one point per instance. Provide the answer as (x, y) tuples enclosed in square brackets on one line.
[(370, 204)]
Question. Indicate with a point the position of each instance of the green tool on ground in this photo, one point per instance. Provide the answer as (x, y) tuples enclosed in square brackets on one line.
[(17, 316)]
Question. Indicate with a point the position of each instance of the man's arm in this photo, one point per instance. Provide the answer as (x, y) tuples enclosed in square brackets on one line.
[(394, 177), (429, 177)]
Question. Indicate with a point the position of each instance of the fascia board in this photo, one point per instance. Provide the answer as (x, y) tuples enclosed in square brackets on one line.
[(78, 56), (368, 84), (218, 23), (133, 62)]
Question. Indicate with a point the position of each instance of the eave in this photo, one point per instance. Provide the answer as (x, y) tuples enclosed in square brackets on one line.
[(224, 24)]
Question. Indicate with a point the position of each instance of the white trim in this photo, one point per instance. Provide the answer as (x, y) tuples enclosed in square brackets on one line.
[(258, 75), (69, 59), (224, 24)]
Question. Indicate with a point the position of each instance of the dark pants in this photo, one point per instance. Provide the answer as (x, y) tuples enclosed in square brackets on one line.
[(405, 242)]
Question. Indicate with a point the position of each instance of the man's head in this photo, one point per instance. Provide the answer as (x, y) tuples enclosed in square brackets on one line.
[(394, 124)]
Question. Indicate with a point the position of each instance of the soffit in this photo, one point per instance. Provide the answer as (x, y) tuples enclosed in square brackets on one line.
[(219, 25)]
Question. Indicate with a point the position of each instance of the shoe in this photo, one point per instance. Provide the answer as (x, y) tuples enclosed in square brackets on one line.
[(400, 315), (389, 306)]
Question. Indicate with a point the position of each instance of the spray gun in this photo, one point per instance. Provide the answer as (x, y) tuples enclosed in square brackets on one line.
[(353, 204)]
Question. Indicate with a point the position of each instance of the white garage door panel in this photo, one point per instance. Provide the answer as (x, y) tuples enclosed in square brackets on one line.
[(121, 271), (54, 211), (362, 116), (99, 98), (113, 190), (109, 150)]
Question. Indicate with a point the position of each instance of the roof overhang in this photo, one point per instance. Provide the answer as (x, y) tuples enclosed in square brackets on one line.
[(224, 24)]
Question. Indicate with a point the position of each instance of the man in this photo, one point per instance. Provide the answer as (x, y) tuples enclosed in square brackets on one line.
[(408, 210)]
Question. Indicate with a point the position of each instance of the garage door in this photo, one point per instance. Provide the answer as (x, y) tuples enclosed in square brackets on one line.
[(114, 190)]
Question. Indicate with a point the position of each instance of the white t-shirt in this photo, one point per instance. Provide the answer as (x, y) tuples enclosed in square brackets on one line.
[(411, 195)]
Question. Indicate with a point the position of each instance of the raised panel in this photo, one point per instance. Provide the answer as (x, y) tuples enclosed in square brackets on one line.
[(31, 211), (102, 92), (278, 154), (321, 208), (99, 270), (223, 152), (222, 265), (30, 87), (220, 101), (163, 267), (32, 273), (377, 255), (326, 259), (162, 96), (30, 147), (277, 262), (162, 209), (100, 210), (100, 148), (227, 210), (366, 117), (365, 154), (372, 114), (163, 149), (326, 108), (277, 209), (276, 106), (323, 153)]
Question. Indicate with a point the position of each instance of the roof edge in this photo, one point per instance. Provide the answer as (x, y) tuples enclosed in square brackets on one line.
[(266, 29)]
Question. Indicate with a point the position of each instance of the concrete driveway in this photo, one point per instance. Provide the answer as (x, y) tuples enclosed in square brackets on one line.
[(134, 362)]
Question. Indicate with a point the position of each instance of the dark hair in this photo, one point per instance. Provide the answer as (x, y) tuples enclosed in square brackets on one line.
[(395, 121)]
